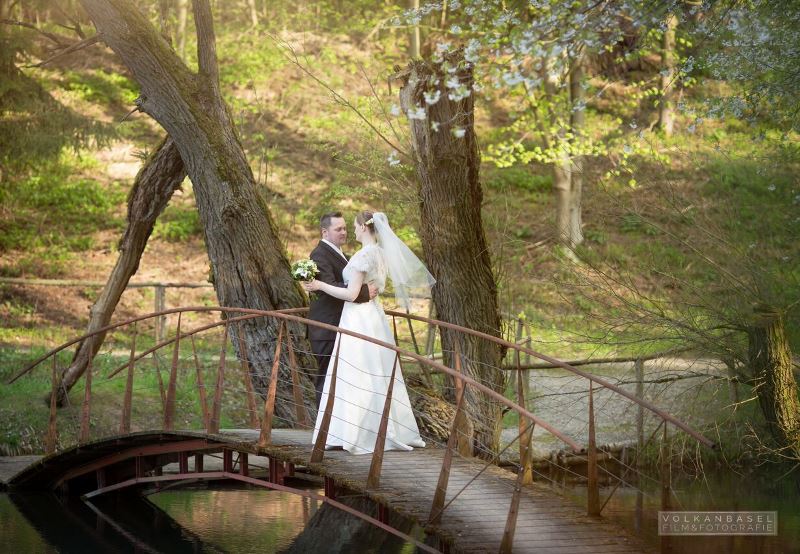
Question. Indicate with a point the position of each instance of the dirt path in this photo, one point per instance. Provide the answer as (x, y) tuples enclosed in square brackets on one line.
[(690, 392)]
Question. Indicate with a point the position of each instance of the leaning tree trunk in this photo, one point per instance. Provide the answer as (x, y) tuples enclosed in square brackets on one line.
[(452, 233), (771, 362), (156, 181), (249, 264)]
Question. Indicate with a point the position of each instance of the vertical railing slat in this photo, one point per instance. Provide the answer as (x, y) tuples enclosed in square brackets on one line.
[(52, 429), (666, 486), (525, 430), (297, 391), (213, 424), (269, 405), (593, 490), (374, 477), (125, 423), (252, 410), (201, 387), (507, 544), (169, 404), (322, 435), (452, 443), (86, 407)]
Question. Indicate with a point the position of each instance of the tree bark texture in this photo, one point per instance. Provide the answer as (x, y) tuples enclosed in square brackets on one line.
[(452, 233), (248, 261), (160, 176), (666, 114), (771, 362), (562, 166), (577, 118)]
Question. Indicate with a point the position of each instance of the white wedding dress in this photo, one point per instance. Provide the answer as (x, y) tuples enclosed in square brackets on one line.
[(363, 373)]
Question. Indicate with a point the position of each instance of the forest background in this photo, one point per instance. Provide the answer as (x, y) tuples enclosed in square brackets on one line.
[(675, 122)]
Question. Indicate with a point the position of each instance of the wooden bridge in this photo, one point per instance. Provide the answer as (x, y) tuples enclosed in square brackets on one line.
[(470, 503)]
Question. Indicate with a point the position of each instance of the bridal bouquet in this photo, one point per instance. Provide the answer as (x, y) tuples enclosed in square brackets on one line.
[(304, 270)]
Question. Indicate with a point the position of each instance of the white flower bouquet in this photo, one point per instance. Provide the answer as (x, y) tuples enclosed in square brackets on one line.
[(304, 270)]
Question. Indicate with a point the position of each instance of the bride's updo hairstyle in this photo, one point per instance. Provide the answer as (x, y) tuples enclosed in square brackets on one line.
[(365, 218)]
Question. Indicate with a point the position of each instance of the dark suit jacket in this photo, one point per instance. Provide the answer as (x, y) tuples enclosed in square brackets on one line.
[(326, 308)]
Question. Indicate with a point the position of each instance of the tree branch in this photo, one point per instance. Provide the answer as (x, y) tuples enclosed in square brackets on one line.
[(69, 50), (61, 41), (291, 56), (206, 42)]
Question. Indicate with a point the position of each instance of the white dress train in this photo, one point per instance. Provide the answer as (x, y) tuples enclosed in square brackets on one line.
[(363, 373)]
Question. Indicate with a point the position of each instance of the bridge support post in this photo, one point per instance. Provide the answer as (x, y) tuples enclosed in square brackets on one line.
[(227, 460), (330, 488), (244, 468), (198, 463), (183, 462), (276, 473)]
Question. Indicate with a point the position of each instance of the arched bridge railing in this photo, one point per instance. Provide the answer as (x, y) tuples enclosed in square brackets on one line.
[(200, 391)]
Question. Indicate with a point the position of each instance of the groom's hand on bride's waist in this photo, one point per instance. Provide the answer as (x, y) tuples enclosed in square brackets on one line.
[(373, 291)]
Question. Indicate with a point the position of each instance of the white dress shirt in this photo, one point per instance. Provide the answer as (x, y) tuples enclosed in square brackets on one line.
[(339, 250)]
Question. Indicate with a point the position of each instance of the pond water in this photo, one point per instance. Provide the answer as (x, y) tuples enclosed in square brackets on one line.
[(222, 518), (719, 490), (218, 519)]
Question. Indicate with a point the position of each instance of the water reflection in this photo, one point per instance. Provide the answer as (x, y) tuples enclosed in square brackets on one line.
[(219, 519), (721, 490), (43, 522)]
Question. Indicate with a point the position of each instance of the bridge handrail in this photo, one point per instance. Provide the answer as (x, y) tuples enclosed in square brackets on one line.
[(564, 365), (288, 315)]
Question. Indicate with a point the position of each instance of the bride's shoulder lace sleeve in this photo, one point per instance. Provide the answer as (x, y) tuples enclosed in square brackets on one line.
[(362, 260)]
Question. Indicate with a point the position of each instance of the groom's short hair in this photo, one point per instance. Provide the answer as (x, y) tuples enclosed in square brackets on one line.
[(325, 220)]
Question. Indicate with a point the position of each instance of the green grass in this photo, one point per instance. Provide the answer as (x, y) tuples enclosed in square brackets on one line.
[(24, 405)]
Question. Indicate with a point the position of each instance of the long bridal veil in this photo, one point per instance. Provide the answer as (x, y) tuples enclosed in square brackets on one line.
[(410, 278)]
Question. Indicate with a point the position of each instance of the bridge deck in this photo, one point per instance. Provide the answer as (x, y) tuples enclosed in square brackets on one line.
[(474, 522), (476, 519)]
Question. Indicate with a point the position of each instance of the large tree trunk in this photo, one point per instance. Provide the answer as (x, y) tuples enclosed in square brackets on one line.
[(577, 117), (249, 264), (156, 181), (666, 115), (452, 234), (771, 362)]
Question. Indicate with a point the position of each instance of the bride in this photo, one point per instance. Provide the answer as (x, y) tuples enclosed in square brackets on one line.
[(364, 370)]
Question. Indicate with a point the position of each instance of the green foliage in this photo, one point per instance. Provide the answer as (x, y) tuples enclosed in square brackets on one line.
[(633, 223), (33, 125), (520, 178), (58, 186), (178, 224), (101, 87)]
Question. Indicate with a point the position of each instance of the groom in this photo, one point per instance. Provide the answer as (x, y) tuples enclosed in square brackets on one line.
[(330, 261)]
